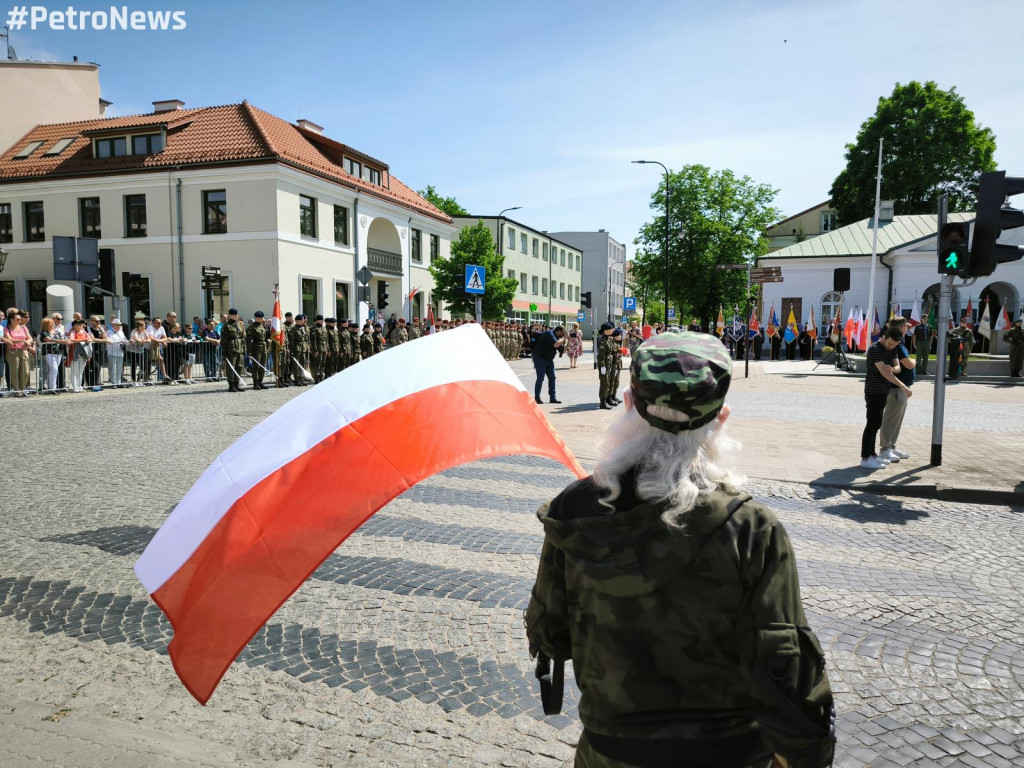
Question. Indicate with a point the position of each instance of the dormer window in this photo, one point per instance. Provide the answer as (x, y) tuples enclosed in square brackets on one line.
[(372, 175), (120, 146), (28, 149), (354, 167), (147, 145), (117, 147)]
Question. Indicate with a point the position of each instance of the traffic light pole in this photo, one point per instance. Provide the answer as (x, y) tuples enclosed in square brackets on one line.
[(942, 320), (746, 343)]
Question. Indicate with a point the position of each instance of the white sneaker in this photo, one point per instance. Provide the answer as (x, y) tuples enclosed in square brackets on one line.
[(883, 462), (889, 455), (871, 462), (902, 454)]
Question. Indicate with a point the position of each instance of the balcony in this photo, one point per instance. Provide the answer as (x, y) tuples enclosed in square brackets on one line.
[(383, 261)]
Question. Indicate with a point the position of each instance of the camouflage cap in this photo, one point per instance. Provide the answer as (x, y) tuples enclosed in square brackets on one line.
[(687, 372)]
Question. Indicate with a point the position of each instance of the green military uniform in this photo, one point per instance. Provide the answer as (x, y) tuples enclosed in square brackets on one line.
[(257, 344), (298, 344), (331, 366), (354, 351), (605, 368), (398, 335), (413, 330), (378, 339), (617, 364), (232, 344), (1015, 338), (687, 635), (963, 334), (366, 343), (318, 350), (922, 346)]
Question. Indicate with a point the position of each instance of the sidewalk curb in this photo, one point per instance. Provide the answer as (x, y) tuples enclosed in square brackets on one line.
[(931, 491)]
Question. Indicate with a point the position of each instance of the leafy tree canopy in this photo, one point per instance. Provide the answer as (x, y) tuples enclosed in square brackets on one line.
[(447, 204), (932, 145), (475, 245), (715, 218)]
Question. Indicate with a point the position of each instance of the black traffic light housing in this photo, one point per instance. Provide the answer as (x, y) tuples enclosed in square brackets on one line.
[(382, 296), (994, 215), (363, 293), (585, 299), (954, 258)]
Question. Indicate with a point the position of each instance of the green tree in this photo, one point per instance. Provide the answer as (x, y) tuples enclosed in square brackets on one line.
[(447, 204), (933, 145), (475, 245), (716, 218)]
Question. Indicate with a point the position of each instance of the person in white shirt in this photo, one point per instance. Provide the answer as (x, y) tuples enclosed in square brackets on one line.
[(158, 338), (115, 352)]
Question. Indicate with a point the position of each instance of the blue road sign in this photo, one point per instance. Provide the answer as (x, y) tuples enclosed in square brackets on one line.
[(671, 314), (629, 304), (476, 279), (581, 316)]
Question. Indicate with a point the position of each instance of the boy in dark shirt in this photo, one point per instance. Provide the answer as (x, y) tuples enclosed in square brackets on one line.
[(883, 364)]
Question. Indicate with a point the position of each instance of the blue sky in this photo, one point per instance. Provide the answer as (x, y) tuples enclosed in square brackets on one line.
[(543, 104)]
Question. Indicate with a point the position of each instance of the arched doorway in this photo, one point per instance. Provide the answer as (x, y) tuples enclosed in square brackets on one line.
[(999, 295), (830, 304), (384, 259), (930, 300)]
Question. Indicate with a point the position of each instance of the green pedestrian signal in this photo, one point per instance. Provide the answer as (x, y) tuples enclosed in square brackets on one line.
[(952, 247), (952, 261)]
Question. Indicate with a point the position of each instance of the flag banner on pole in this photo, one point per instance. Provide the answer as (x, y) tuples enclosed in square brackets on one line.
[(753, 327), (812, 330), (864, 336), (876, 330), (737, 327), (848, 328), (274, 505), (970, 314), (915, 314), (837, 326), (412, 293), (791, 332), (985, 323), (720, 323), (1003, 321), (276, 328), (773, 323), (430, 320)]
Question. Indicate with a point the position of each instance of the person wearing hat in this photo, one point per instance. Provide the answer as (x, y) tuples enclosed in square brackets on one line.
[(331, 364), (1015, 338), (378, 338), (232, 345), (298, 344), (257, 344), (606, 352), (965, 336), (366, 342), (318, 348), (115, 352), (674, 593), (616, 373)]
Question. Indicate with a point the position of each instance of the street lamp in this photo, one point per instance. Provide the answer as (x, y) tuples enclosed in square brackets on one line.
[(3, 258), (513, 208), (655, 162)]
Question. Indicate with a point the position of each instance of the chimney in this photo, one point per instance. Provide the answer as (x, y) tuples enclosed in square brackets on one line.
[(170, 105), (886, 210), (310, 126)]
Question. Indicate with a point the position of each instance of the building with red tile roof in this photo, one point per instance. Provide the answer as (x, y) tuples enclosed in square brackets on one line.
[(268, 201)]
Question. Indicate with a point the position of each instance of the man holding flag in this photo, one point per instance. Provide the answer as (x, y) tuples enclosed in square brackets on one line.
[(791, 334), (755, 336)]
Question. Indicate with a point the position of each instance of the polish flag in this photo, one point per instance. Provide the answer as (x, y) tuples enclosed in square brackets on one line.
[(430, 320), (278, 501), (1003, 321), (915, 314), (970, 314), (985, 323), (276, 328), (865, 338), (848, 329)]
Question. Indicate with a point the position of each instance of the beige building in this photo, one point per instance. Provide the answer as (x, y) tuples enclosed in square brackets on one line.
[(549, 270), (34, 92), (271, 203), (815, 221)]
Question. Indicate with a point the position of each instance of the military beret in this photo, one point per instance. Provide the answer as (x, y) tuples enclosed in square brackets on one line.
[(287, 314), (318, 317), (617, 332), (606, 327), (300, 316), (331, 320), (687, 372), (258, 313), (232, 311)]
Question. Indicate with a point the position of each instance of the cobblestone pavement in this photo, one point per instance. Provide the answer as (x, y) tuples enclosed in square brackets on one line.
[(406, 647)]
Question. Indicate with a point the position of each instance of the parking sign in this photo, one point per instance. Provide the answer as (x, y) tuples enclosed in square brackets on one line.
[(629, 304)]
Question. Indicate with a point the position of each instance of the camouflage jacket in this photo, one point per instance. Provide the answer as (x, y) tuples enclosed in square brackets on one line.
[(333, 345), (365, 344), (232, 338), (298, 339), (378, 341), (607, 349), (257, 340), (682, 635), (318, 340), (1014, 337)]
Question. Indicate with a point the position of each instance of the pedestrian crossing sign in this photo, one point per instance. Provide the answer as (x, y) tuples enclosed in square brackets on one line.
[(476, 277)]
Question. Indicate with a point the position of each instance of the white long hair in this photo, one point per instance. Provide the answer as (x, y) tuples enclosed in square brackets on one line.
[(678, 468)]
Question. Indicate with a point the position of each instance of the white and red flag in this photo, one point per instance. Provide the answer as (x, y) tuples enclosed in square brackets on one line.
[(915, 314), (277, 502), (1003, 321), (276, 328), (985, 323), (430, 320)]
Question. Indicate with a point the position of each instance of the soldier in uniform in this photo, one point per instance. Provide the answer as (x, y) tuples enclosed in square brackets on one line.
[(922, 347), (298, 343), (378, 338), (1015, 338), (287, 369), (605, 363), (399, 334), (963, 334), (318, 348), (676, 594), (257, 344), (232, 344), (331, 366), (366, 342), (616, 367), (414, 330)]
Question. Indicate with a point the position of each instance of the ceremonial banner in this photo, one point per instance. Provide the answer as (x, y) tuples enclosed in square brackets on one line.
[(720, 323), (915, 314), (791, 332), (812, 330), (773, 324), (754, 327), (277, 502), (970, 314), (985, 323), (1003, 321), (276, 328)]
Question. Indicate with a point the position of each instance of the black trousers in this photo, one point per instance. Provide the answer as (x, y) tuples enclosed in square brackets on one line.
[(875, 404)]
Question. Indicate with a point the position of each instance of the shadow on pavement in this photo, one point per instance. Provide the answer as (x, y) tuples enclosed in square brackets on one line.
[(867, 506), (578, 408)]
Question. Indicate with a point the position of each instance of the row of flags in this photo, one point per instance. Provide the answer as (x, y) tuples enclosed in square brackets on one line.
[(771, 328)]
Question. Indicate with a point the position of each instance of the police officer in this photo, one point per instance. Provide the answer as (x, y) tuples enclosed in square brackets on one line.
[(605, 362), (298, 343), (232, 344), (676, 594), (1015, 338), (318, 348), (257, 344)]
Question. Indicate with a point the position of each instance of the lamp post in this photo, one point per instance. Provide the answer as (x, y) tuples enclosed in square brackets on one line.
[(655, 162), (513, 208)]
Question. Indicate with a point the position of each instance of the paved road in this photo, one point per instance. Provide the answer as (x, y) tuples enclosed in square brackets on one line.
[(407, 648)]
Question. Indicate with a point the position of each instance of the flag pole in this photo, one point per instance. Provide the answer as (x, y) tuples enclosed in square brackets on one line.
[(874, 237)]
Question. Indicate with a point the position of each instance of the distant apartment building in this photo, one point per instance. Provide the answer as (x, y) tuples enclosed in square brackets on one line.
[(269, 202), (816, 220), (35, 92), (604, 275), (548, 270)]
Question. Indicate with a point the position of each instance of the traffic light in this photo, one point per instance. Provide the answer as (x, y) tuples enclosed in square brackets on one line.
[(363, 293), (953, 256), (382, 296), (994, 215), (585, 299), (107, 279)]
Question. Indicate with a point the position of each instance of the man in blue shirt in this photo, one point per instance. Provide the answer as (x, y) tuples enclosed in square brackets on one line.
[(544, 346), (896, 401)]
